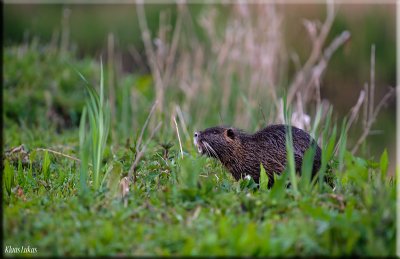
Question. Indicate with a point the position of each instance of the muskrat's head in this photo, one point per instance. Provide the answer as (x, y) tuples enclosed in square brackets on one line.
[(218, 142)]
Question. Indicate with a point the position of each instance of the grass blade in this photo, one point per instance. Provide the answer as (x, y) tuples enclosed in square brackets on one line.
[(306, 168), (290, 164), (84, 152), (263, 178), (46, 166), (8, 176)]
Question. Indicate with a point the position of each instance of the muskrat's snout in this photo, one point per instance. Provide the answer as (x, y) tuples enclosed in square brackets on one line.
[(197, 142)]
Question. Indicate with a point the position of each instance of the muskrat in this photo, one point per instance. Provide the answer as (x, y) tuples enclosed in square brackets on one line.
[(242, 153)]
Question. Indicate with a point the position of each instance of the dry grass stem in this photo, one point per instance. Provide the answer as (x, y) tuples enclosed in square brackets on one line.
[(140, 153), (150, 53), (60, 154), (139, 142), (371, 120), (111, 85), (179, 138), (353, 115), (355, 110), (318, 41), (369, 112), (372, 82), (365, 109), (124, 189), (173, 49), (139, 148), (182, 121)]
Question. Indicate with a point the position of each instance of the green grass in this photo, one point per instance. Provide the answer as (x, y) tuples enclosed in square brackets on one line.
[(204, 215), (94, 142), (178, 206)]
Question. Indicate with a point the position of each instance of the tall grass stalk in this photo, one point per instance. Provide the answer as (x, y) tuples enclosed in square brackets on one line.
[(340, 151), (289, 148), (316, 122), (8, 177), (306, 168), (328, 148), (342, 145), (83, 153), (46, 166), (93, 141)]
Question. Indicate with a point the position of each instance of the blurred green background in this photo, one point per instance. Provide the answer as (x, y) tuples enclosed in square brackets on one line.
[(88, 27)]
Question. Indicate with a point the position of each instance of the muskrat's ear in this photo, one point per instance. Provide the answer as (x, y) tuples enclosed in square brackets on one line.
[(230, 133)]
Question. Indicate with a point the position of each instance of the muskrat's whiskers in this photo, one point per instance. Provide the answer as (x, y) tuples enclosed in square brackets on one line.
[(206, 145), (205, 148), (211, 149)]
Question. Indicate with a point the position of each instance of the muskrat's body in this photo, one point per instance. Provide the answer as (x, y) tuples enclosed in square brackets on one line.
[(242, 153)]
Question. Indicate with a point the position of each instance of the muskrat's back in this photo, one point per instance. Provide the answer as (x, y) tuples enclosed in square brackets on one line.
[(274, 136), (272, 147)]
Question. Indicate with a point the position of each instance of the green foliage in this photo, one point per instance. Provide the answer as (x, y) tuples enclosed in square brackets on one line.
[(190, 171), (93, 144), (206, 213), (8, 177), (278, 190), (36, 75)]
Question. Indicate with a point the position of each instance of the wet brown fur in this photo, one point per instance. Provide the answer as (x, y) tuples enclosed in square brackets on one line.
[(242, 153)]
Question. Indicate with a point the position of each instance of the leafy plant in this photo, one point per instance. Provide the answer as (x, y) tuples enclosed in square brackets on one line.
[(8, 176), (93, 141)]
